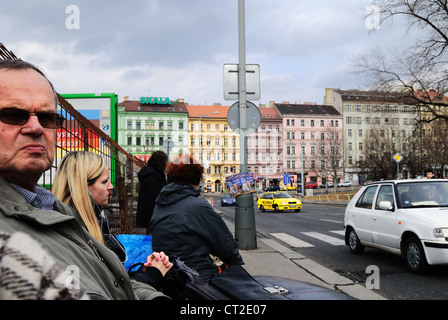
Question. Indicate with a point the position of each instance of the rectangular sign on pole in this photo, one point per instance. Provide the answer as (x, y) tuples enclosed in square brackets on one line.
[(231, 89)]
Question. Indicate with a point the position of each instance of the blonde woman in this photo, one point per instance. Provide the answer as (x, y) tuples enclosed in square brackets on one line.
[(82, 182)]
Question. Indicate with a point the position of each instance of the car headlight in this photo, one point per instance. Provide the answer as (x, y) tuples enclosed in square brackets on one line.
[(283, 202), (441, 232)]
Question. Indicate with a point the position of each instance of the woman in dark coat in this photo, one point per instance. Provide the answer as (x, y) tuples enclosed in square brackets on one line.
[(187, 226), (152, 180)]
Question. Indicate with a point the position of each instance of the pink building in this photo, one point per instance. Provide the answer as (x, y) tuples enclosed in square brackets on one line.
[(265, 149), (312, 133)]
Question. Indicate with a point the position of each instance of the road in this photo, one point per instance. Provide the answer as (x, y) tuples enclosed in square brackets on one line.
[(317, 233)]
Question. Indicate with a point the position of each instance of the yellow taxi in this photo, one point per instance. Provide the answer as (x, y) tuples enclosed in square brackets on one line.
[(278, 201)]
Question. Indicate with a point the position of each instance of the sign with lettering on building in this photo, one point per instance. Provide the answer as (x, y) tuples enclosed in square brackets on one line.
[(154, 100)]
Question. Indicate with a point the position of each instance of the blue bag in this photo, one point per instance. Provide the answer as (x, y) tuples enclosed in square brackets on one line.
[(137, 247)]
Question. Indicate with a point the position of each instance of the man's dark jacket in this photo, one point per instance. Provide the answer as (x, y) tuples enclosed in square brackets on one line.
[(151, 182), (186, 226)]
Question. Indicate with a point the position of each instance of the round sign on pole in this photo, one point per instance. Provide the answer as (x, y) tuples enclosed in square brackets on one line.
[(252, 114)]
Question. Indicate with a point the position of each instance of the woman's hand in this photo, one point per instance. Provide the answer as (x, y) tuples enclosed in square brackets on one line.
[(160, 261)]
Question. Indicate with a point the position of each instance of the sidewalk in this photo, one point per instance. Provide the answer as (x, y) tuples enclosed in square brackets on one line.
[(272, 258)]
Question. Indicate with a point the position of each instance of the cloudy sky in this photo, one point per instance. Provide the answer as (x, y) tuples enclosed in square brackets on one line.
[(177, 48)]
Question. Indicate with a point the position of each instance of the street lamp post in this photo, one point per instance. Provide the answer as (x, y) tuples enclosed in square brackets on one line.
[(245, 233)]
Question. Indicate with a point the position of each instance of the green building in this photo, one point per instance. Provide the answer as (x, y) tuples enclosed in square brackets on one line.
[(152, 124)]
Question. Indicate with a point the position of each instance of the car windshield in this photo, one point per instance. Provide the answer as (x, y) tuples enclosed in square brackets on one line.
[(282, 195), (423, 194)]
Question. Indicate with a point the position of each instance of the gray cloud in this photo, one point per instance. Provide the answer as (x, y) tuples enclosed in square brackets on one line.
[(177, 48)]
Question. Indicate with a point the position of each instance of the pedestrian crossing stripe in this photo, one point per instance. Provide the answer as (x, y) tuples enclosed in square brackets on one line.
[(292, 241), (298, 243), (324, 237)]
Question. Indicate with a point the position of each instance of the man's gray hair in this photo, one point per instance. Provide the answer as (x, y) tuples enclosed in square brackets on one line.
[(20, 64)]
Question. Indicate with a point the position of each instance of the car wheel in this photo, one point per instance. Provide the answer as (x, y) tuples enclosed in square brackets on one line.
[(353, 242), (297, 210), (276, 208), (415, 255), (262, 209)]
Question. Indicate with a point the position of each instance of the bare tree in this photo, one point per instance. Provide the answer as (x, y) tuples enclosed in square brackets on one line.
[(420, 72), (378, 158), (435, 142)]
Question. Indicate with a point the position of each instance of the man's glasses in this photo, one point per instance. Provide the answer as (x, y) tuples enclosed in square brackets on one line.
[(19, 117)]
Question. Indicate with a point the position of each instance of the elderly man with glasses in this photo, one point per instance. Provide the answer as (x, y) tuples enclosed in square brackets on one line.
[(28, 123)]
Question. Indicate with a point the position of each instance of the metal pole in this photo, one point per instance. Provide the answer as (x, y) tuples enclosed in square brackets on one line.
[(245, 234), (242, 83)]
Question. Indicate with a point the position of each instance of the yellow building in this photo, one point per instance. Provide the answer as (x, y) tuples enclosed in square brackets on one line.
[(213, 142)]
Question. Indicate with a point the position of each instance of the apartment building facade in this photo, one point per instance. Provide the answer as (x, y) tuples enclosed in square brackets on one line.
[(265, 149), (376, 115), (149, 124), (213, 142), (312, 141)]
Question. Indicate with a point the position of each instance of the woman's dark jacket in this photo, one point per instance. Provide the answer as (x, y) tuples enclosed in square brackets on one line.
[(151, 182), (109, 239), (186, 226)]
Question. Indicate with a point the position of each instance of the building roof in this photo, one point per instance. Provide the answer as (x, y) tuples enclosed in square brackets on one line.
[(307, 110), (391, 97), (135, 105), (431, 95), (269, 113), (195, 111)]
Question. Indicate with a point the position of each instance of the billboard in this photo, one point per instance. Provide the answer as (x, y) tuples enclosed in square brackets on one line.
[(102, 110)]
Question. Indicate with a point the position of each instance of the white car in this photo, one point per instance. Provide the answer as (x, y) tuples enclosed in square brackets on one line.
[(346, 183), (405, 217)]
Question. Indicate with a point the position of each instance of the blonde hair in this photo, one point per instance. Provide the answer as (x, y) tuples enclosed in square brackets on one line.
[(77, 170)]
